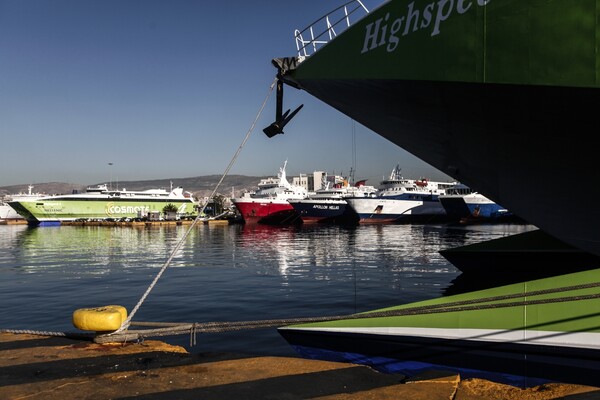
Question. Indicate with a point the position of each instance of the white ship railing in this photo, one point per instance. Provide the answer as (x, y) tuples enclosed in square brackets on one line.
[(308, 42)]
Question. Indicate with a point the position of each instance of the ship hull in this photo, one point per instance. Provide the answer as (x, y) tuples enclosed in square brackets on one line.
[(266, 211), (522, 334), (497, 95), (503, 259), (520, 365), (455, 207), (373, 210), (453, 141), (43, 211), (323, 211), (507, 114), (8, 213), (458, 207)]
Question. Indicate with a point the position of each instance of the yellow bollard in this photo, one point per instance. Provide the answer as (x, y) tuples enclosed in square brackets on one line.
[(99, 319)]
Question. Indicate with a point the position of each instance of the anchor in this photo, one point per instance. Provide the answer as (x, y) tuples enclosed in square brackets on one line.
[(281, 119)]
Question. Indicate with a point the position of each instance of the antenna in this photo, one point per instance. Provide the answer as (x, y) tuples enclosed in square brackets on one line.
[(353, 148)]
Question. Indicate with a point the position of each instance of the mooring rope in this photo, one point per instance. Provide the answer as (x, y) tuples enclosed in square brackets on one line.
[(127, 321), (168, 329), (176, 328), (71, 335)]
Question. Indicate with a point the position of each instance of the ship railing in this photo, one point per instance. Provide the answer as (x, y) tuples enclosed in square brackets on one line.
[(323, 30)]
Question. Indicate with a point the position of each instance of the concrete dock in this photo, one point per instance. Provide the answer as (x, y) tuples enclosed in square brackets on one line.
[(41, 367)]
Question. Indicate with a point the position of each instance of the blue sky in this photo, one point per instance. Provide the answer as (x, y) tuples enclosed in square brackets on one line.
[(166, 89)]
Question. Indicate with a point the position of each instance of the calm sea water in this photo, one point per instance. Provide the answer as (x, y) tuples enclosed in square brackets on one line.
[(225, 273)]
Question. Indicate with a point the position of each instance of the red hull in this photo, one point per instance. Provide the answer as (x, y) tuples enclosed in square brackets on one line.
[(266, 211)]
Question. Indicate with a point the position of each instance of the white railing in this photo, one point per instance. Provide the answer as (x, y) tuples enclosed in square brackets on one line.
[(308, 42)]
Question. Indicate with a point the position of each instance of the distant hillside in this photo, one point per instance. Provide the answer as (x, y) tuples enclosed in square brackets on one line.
[(200, 186), (44, 188)]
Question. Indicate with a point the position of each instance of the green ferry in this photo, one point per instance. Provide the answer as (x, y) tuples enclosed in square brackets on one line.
[(101, 203)]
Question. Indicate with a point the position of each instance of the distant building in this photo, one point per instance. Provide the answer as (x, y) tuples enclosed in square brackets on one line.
[(310, 182)]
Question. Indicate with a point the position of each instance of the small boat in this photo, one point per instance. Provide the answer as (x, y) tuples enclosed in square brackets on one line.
[(524, 334), (401, 200), (328, 204), (101, 203), (269, 204), (466, 206)]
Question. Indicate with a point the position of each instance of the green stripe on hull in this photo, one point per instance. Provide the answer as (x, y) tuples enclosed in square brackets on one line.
[(537, 42), (62, 210), (556, 315)]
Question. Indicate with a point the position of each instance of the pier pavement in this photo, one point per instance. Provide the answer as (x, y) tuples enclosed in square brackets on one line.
[(56, 368)]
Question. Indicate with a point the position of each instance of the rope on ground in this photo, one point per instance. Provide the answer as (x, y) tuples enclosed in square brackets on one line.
[(69, 335), (127, 321), (176, 328)]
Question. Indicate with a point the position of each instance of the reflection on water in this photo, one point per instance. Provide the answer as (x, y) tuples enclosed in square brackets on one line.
[(409, 249), (98, 249), (224, 273)]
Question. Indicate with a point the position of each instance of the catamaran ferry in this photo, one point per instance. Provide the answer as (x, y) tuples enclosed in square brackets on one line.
[(101, 203)]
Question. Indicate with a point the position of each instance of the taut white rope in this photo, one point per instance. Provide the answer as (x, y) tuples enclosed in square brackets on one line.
[(127, 322)]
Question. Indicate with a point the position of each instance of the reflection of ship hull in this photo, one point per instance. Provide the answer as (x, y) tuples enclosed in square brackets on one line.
[(323, 211), (266, 211), (546, 331), (502, 82)]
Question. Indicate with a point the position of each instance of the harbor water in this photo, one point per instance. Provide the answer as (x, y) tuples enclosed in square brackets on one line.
[(226, 273)]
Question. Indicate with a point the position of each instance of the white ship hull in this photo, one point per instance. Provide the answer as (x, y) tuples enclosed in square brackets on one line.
[(387, 210), (7, 212)]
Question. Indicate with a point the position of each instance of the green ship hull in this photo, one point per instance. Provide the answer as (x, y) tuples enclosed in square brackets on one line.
[(497, 94), (513, 42), (102, 204), (523, 334), (501, 96)]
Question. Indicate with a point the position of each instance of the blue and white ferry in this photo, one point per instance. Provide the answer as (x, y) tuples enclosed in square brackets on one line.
[(401, 200), (465, 205)]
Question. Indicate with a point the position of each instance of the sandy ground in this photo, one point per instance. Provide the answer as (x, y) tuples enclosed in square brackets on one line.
[(39, 367)]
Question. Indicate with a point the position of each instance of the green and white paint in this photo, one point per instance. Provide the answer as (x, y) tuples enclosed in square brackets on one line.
[(531, 42)]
